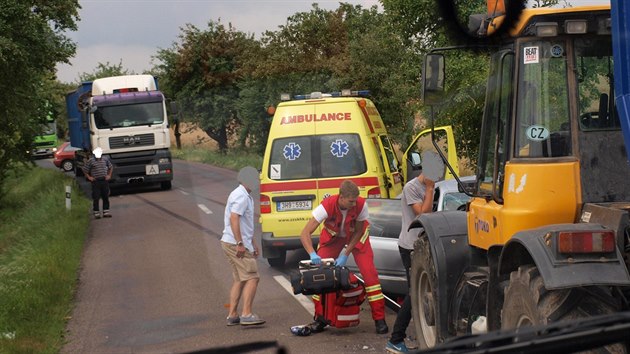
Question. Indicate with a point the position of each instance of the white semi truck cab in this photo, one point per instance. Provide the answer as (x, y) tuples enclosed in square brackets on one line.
[(126, 117)]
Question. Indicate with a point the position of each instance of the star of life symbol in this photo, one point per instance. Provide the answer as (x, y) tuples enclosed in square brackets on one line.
[(339, 148), (292, 151)]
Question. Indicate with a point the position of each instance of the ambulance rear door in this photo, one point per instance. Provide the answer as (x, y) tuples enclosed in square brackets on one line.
[(392, 180), (412, 162)]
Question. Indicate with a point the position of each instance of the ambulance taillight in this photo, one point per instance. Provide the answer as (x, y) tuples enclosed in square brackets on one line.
[(374, 193), (265, 204)]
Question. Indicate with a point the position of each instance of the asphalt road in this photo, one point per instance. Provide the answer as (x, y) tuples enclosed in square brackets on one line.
[(153, 279)]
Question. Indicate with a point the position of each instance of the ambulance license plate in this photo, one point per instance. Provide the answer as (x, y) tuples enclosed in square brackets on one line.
[(294, 205)]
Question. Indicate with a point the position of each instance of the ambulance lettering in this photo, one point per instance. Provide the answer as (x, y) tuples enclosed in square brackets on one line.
[(324, 117)]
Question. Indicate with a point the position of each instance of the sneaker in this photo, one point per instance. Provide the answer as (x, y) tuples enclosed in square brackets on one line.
[(381, 326), (97, 215), (251, 320), (411, 343), (233, 321), (396, 348), (106, 214), (317, 326)]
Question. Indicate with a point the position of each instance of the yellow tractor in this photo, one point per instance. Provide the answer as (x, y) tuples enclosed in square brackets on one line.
[(545, 237)]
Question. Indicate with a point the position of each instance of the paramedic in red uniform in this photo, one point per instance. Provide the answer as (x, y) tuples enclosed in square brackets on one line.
[(345, 232)]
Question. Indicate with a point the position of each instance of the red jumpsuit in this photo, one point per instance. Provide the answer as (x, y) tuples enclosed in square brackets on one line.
[(330, 246)]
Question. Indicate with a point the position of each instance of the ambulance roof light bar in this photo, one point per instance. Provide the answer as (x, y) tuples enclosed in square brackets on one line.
[(320, 95)]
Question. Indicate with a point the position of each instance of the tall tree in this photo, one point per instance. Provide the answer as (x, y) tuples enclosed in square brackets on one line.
[(203, 71), (32, 42)]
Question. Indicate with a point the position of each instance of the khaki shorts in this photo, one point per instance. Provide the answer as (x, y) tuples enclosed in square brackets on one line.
[(242, 268)]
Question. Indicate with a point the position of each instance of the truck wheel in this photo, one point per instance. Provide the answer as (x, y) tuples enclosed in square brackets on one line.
[(278, 261), (423, 296), (528, 303)]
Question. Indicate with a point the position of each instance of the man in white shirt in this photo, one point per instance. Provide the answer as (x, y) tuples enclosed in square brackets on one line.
[(240, 248)]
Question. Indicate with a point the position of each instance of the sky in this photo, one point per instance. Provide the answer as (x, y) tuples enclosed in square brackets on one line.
[(132, 31)]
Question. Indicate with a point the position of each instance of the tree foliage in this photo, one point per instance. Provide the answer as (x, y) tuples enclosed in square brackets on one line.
[(32, 42), (105, 70)]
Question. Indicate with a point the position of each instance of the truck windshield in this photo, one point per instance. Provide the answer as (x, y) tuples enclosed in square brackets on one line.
[(129, 115), (542, 114), (49, 128)]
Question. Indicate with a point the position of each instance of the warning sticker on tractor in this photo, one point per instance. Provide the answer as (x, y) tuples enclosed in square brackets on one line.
[(530, 55)]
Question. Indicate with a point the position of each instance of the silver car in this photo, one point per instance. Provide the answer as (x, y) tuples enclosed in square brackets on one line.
[(385, 223)]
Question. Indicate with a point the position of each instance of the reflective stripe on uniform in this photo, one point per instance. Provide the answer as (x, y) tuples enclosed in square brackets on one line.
[(316, 298), (376, 297), (373, 288), (365, 235)]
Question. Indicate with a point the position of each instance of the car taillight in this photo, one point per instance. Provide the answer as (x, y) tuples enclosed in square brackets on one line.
[(374, 193), (265, 204), (586, 241)]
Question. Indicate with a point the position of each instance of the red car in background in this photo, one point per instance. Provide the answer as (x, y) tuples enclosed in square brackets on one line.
[(64, 157)]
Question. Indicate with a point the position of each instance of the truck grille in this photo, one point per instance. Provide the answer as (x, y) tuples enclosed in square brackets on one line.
[(119, 142)]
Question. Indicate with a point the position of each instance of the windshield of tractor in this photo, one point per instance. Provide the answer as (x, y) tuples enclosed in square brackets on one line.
[(594, 64), (542, 115), (129, 115)]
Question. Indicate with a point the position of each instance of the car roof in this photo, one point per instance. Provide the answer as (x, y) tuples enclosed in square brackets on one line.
[(450, 185)]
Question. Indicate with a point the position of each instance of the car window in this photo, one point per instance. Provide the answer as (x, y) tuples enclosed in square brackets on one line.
[(452, 201), (385, 217)]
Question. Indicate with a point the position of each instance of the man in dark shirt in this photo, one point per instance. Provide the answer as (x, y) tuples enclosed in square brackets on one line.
[(99, 170)]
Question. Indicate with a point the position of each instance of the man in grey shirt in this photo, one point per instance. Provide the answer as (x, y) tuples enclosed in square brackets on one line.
[(417, 198)]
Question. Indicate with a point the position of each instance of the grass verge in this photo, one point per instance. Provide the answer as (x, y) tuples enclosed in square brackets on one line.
[(234, 159), (40, 251)]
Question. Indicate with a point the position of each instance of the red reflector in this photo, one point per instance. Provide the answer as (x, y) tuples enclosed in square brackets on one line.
[(265, 204), (374, 192), (586, 241)]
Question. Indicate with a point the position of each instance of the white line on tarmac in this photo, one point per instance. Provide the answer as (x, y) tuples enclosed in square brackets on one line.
[(204, 209), (304, 300), (184, 192)]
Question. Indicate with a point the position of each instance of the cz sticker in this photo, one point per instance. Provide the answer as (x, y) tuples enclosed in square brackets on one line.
[(537, 133)]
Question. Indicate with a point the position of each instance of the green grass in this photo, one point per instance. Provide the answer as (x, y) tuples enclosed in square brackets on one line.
[(40, 251), (233, 160)]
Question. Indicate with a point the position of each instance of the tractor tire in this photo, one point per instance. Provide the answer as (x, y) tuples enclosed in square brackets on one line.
[(528, 303), (423, 294)]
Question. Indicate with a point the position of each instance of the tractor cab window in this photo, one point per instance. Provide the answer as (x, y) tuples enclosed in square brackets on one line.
[(542, 112), (495, 127), (594, 75)]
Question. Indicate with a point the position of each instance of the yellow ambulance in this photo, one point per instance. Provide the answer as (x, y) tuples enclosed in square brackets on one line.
[(315, 142)]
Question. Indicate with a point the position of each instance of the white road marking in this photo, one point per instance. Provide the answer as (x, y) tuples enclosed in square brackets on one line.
[(304, 300), (184, 192), (204, 209)]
